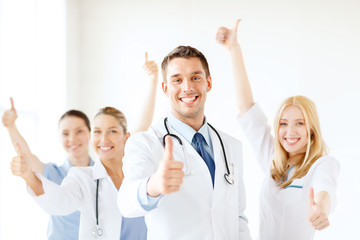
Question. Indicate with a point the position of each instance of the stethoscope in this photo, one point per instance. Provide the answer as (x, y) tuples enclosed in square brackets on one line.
[(228, 177), (98, 232)]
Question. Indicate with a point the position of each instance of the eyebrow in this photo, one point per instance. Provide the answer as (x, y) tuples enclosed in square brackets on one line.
[(299, 119), (193, 73)]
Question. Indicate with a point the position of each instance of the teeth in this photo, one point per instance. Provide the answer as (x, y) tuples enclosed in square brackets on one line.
[(187, 100), (292, 140), (105, 148)]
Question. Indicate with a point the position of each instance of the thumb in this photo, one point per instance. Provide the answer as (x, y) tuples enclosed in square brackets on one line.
[(236, 25), (168, 148), (311, 197), (12, 103), (146, 56), (18, 149)]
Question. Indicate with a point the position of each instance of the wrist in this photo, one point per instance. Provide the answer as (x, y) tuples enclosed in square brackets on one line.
[(150, 188)]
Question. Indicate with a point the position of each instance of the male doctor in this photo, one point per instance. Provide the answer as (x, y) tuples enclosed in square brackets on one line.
[(180, 188)]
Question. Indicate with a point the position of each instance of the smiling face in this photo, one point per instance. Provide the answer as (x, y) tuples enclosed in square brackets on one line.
[(75, 137), (293, 134), (186, 86), (108, 137)]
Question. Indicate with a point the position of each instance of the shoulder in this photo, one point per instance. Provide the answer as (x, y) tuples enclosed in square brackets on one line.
[(326, 161), (153, 134), (325, 165), (228, 138)]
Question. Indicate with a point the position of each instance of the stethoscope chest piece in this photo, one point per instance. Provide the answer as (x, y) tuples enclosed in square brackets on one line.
[(98, 232), (229, 178)]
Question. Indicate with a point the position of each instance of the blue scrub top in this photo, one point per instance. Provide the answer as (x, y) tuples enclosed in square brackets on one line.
[(62, 227), (133, 229)]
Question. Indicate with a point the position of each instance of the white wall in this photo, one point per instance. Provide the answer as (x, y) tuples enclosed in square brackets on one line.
[(290, 47), (32, 71)]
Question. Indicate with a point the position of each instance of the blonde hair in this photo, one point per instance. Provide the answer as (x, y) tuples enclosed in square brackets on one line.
[(120, 117), (315, 148)]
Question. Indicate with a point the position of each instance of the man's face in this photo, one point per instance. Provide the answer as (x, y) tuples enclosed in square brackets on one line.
[(187, 86)]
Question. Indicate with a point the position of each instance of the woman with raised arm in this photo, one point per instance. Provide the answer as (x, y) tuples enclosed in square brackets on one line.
[(25, 165), (298, 192), (74, 131)]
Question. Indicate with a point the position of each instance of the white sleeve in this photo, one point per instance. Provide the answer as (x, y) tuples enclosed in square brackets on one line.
[(325, 178), (138, 166), (60, 199), (258, 132)]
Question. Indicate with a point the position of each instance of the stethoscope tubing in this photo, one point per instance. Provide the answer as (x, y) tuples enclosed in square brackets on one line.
[(227, 174)]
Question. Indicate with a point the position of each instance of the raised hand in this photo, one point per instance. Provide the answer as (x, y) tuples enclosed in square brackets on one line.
[(169, 175), (227, 37), (20, 165), (10, 115), (317, 216), (151, 68)]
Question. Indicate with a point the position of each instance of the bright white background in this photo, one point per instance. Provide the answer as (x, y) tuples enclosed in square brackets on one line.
[(86, 54)]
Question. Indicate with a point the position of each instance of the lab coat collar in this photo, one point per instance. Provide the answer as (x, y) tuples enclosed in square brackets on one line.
[(67, 164), (188, 132), (99, 170)]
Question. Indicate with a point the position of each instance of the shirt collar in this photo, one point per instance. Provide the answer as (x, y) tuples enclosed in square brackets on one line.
[(99, 170), (188, 132)]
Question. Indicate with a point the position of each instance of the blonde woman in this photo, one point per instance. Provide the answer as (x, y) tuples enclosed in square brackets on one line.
[(298, 192)]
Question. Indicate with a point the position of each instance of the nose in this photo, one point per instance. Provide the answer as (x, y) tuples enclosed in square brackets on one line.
[(72, 137), (187, 85)]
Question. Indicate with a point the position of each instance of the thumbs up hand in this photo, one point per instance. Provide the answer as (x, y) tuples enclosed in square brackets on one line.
[(317, 216), (10, 115), (227, 37), (151, 68), (169, 175), (20, 165)]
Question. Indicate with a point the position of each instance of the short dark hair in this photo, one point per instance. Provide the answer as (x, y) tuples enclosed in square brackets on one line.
[(76, 113), (184, 52)]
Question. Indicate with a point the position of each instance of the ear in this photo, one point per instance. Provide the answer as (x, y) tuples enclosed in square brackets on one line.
[(127, 135), (209, 83), (165, 88)]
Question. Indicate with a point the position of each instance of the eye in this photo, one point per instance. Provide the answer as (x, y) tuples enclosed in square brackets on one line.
[(80, 131), (283, 124), (65, 134), (176, 80), (196, 78), (300, 123), (96, 131), (113, 131)]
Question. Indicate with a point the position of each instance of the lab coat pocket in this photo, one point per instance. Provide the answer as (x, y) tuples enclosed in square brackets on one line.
[(293, 193)]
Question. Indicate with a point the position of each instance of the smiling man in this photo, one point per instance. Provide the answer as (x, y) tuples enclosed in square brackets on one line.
[(183, 175)]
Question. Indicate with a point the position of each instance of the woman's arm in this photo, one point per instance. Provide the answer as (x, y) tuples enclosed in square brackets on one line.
[(8, 120), (228, 38), (21, 166), (151, 69)]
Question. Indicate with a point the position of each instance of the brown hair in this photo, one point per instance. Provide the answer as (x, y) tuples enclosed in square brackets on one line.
[(76, 113), (184, 52)]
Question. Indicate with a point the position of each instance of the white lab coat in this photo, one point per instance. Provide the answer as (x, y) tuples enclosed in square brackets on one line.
[(78, 192), (284, 212), (197, 211)]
